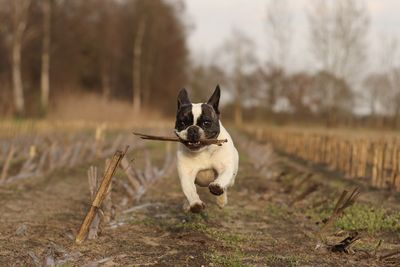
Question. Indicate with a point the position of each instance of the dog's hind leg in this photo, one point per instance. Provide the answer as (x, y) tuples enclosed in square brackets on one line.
[(222, 200)]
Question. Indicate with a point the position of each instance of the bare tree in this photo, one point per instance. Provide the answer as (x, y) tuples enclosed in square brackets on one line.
[(390, 63), (239, 50), (137, 55), (338, 31), (45, 72), (279, 32), (377, 91), (20, 10), (330, 97)]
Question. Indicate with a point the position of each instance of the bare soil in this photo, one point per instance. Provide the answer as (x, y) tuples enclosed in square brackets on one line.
[(259, 227)]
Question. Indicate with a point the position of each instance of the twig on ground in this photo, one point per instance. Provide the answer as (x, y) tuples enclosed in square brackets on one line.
[(298, 185), (311, 189), (7, 163), (377, 247), (391, 254), (346, 244), (145, 205)]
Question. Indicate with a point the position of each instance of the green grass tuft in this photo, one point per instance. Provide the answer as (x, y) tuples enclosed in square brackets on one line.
[(231, 260), (363, 217)]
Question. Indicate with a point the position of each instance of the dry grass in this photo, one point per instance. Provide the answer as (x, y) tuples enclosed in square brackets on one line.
[(73, 113), (92, 107)]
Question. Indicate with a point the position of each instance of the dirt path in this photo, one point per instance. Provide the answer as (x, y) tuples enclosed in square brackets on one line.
[(258, 227)]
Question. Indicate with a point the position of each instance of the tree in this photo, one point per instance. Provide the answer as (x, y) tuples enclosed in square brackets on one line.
[(338, 31), (298, 86), (163, 59), (240, 60), (20, 11), (45, 71), (93, 46), (279, 32), (330, 97), (390, 63), (137, 75), (273, 85), (377, 91), (202, 78)]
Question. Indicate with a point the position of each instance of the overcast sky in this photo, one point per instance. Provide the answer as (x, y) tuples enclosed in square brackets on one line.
[(213, 20)]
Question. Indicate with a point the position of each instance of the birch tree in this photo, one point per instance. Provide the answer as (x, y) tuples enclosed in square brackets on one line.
[(20, 10), (137, 68), (45, 71)]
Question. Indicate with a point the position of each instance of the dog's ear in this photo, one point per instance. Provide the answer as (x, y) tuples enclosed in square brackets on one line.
[(214, 99), (183, 98)]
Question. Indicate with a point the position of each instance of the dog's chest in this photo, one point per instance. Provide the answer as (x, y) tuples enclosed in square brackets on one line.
[(203, 160)]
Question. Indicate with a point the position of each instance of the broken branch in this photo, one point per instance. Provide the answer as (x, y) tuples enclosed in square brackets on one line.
[(100, 195), (343, 203), (177, 139)]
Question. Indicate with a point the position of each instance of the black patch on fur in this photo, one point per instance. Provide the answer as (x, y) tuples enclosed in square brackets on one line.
[(214, 99), (209, 121), (183, 98), (215, 189), (184, 117), (197, 207)]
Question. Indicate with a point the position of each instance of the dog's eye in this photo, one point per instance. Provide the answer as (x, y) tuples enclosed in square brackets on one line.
[(182, 123), (206, 123)]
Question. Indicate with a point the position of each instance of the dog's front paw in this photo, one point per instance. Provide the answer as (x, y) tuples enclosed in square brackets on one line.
[(197, 207), (216, 189)]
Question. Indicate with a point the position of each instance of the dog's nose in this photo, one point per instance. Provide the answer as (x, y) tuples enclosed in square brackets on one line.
[(193, 134)]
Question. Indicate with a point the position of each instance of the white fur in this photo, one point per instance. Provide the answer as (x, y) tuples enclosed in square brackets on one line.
[(196, 111), (182, 134), (224, 159)]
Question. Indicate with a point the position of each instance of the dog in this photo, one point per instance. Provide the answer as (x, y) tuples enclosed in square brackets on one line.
[(209, 166)]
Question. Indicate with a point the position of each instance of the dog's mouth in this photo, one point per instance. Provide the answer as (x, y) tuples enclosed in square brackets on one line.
[(193, 145), (197, 143)]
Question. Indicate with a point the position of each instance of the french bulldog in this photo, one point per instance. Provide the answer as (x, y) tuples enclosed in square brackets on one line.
[(209, 166)]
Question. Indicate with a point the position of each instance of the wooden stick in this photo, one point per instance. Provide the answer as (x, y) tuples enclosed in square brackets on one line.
[(343, 203), (177, 139), (100, 195), (309, 190), (7, 163), (93, 188), (389, 255)]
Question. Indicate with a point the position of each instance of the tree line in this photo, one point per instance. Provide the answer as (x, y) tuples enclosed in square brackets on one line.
[(113, 48)]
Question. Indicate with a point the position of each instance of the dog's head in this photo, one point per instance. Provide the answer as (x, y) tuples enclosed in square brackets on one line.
[(197, 121)]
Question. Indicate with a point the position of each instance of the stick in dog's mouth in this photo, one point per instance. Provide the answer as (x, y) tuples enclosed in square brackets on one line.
[(205, 142)]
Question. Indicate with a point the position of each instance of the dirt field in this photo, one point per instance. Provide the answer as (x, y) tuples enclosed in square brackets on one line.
[(266, 223)]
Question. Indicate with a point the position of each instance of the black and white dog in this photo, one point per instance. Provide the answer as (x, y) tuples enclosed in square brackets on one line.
[(205, 165)]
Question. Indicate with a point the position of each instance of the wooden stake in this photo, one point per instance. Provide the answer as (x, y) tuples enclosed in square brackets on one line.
[(100, 195), (7, 164)]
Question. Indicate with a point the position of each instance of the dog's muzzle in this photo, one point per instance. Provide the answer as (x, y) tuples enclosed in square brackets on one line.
[(193, 134), (193, 137)]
